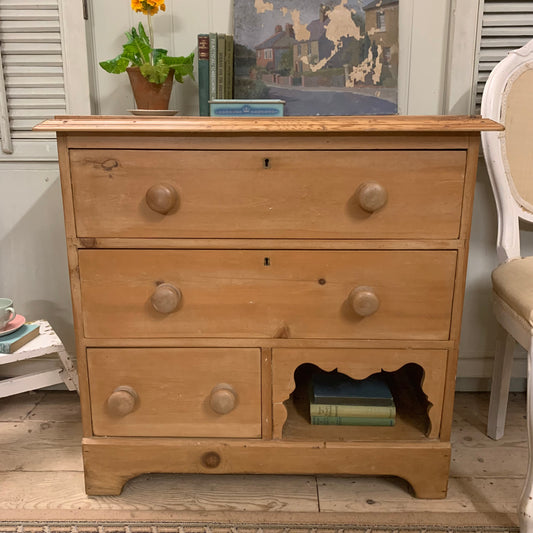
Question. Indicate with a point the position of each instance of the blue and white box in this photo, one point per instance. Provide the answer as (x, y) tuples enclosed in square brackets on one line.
[(246, 108)]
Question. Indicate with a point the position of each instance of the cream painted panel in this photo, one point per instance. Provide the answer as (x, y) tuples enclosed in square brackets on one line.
[(33, 269)]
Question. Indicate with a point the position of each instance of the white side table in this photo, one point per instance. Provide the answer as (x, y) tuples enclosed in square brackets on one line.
[(61, 370)]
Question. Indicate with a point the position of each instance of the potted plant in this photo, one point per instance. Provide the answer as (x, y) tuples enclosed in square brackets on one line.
[(151, 70)]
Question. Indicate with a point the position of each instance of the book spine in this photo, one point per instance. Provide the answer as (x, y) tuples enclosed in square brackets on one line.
[(341, 400), (351, 421), (375, 411), (203, 74), (228, 91), (221, 69), (213, 66)]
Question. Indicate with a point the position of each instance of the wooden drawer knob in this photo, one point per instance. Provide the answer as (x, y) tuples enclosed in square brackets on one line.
[(372, 196), (364, 301), (161, 198), (223, 399), (122, 401), (211, 459), (166, 298)]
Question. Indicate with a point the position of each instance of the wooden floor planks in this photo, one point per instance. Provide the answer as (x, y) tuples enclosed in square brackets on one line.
[(41, 470)]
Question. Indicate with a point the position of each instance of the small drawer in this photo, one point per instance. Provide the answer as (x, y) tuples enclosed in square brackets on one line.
[(181, 392), (267, 294), (337, 194)]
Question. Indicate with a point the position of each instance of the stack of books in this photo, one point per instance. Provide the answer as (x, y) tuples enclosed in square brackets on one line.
[(336, 399), (14, 341), (215, 69)]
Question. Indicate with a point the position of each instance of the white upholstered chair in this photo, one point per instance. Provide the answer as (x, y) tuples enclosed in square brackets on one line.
[(508, 99)]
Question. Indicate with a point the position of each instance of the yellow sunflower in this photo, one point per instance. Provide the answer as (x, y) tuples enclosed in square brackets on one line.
[(148, 7)]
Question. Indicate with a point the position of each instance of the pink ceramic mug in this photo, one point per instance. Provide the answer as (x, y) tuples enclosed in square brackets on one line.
[(7, 312)]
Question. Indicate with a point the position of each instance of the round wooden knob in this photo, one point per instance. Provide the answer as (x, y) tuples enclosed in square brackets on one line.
[(223, 399), (372, 196), (161, 198), (122, 401), (364, 301), (211, 459), (166, 298)]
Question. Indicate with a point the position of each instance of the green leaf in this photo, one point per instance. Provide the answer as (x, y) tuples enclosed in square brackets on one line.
[(142, 34), (159, 54), (155, 73), (183, 66), (115, 66), (137, 51)]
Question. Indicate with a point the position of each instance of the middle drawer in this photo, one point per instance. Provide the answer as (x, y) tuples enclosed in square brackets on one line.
[(401, 294)]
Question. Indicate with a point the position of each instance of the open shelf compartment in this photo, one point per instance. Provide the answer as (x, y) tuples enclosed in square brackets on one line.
[(416, 379)]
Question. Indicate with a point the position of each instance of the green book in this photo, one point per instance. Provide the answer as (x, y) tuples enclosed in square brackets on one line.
[(213, 41), (359, 410), (228, 75), (12, 342), (351, 421), (221, 68), (203, 74)]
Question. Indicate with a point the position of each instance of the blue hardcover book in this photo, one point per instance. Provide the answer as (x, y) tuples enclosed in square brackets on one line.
[(12, 342), (337, 388)]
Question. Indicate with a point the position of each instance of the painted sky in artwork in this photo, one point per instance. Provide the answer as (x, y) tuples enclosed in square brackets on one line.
[(255, 20)]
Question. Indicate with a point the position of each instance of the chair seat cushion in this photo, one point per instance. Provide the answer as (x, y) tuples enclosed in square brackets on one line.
[(513, 283)]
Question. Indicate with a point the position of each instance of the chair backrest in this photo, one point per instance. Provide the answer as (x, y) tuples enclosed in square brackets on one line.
[(508, 99)]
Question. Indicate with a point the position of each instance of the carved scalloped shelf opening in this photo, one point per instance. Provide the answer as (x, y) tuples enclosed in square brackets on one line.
[(412, 405)]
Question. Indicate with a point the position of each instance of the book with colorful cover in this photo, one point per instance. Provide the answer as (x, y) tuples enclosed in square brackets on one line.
[(203, 74), (338, 389), (16, 340), (360, 410), (351, 421)]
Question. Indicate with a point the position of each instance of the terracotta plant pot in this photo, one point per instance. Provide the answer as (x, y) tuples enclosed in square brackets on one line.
[(150, 95)]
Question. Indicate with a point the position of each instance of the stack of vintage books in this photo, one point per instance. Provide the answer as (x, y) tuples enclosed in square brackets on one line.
[(215, 68), (337, 399)]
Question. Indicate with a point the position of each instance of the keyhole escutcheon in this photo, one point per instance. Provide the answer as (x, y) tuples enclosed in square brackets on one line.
[(266, 163)]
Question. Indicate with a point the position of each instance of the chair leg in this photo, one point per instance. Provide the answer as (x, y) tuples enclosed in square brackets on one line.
[(501, 378), (525, 506)]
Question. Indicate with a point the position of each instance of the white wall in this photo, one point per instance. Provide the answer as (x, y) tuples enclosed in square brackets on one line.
[(33, 261), (437, 49)]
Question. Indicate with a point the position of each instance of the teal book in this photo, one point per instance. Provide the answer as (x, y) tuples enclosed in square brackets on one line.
[(14, 341), (351, 421), (337, 388), (203, 74)]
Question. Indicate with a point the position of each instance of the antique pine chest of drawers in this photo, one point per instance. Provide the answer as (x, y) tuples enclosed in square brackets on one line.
[(216, 264)]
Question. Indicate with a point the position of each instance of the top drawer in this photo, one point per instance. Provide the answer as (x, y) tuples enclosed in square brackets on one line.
[(267, 194)]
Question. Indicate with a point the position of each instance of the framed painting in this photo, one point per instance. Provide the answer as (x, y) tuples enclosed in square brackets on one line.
[(322, 57)]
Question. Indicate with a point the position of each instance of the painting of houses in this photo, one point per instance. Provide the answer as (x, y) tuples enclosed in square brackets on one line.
[(323, 57)]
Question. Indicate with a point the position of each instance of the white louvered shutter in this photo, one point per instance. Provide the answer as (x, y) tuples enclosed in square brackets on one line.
[(505, 26), (33, 85)]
